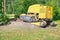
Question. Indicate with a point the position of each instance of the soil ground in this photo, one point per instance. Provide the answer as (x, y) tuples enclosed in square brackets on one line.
[(19, 30), (18, 24)]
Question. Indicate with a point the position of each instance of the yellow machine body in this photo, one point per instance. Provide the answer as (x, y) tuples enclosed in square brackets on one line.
[(36, 23), (40, 11), (10, 16), (39, 15)]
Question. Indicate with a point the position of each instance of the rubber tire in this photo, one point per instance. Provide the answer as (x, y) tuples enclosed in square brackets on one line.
[(43, 24), (52, 24)]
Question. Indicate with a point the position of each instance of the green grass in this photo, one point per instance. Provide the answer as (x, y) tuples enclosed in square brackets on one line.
[(58, 23), (32, 34)]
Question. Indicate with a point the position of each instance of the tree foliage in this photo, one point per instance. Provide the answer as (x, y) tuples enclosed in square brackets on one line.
[(3, 18), (21, 6)]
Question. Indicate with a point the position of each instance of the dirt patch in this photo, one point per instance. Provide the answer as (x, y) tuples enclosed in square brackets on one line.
[(17, 25)]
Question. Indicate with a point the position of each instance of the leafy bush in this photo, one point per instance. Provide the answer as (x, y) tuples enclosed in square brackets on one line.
[(3, 19)]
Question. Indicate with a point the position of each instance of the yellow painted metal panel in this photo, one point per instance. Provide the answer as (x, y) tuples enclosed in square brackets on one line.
[(42, 13), (36, 23), (10, 16), (49, 12), (34, 8)]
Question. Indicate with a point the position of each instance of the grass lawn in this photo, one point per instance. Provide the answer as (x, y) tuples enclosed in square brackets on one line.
[(52, 33)]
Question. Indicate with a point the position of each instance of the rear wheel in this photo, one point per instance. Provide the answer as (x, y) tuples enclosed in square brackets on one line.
[(43, 24), (52, 24)]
